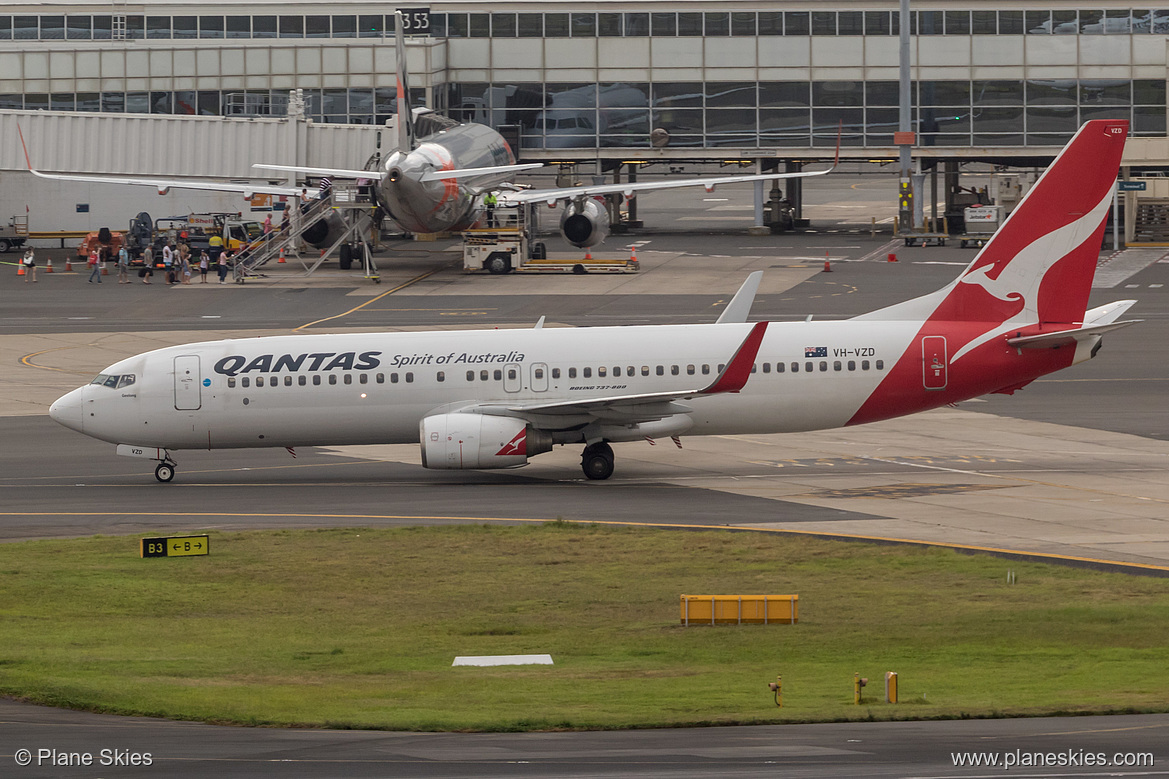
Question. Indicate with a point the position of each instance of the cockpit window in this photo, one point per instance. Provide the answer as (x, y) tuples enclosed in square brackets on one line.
[(114, 382)]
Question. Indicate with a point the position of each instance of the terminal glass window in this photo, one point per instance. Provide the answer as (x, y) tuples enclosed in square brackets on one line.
[(370, 25), (556, 26), (291, 26), (609, 25), (61, 101), (480, 25), (584, 25), (157, 26), (1064, 23), (718, 24), (984, 23), (1010, 22), (456, 26), (239, 27), (877, 23), (52, 28), (78, 28), (88, 101), (957, 22), (636, 25), (344, 26), (690, 23), (103, 28), (186, 27), (210, 26), (850, 23), (530, 25), (316, 27), (5, 28), (796, 23), (743, 23), (263, 26), (664, 24), (771, 22), (503, 25), (823, 23)]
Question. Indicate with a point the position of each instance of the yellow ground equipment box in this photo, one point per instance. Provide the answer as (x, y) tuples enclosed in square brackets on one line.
[(740, 609)]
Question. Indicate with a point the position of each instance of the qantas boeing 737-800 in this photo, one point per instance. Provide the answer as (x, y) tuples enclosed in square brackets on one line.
[(494, 398)]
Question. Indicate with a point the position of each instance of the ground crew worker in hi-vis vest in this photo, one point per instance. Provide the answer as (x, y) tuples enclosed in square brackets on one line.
[(489, 200)]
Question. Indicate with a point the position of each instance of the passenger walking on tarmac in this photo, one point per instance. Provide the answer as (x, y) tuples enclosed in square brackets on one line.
[(147, 265), (168, 263), (30, 266), (204, 265), (222, 266), (186, 259), (123, 265), (95, 266), (490, 201)]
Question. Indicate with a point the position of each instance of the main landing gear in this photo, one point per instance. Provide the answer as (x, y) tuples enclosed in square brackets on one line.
[(165, 470), (597, 461)]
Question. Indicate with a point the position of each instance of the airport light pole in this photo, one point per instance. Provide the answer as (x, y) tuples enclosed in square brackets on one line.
[(904, 138)]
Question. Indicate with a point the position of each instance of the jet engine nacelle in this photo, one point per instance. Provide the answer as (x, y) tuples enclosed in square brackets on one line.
[(585, 223), (326, 231), (463, 440)]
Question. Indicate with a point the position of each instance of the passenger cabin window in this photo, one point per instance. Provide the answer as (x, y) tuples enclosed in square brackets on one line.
[(259, 381), (572, 373), (705, 370), (539, 373), (409, 378), (511, 374), (689, 370), (836, 365), (823, 365), (332, 378), (616, 370), (864, 365), (244, 381), (381, 378), (601, 371), (645, 370), (673, 370), (852, 365), (274, 381), (809, 367), (484, 375), (470, 375), (629, 371), (795, 367), (287, 381), (754, 368), (317, 380), (586, 372), (880, 365), (348, 379), (660, 370), (363, 379), (767, 367), (393, 378), (231, 381), (556, 373), (779, 366), (441, 376), (302, 380)]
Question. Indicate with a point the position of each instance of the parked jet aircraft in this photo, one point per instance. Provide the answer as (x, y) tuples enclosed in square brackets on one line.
[(495, 398)]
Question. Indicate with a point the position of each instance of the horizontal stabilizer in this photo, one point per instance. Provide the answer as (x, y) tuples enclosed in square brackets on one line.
[(1109, 313), (740, 305), (1066, 337)]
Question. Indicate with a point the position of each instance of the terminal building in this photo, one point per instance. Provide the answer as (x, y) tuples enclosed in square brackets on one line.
[(763, 82)]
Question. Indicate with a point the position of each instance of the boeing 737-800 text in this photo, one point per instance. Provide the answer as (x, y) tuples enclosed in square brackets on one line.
[(495, 398)]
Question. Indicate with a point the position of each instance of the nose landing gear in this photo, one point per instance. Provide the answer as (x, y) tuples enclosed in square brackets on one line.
[(597, 461)]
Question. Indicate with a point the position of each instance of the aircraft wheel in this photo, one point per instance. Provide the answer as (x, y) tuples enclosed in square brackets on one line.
[(164, 472), (597, 461)]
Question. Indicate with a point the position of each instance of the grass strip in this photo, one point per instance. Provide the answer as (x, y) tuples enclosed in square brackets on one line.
[(357, 628)]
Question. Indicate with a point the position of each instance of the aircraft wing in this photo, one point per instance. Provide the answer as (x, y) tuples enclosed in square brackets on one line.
[(434, 175), (165, 185), (552, 196), (642, 406)]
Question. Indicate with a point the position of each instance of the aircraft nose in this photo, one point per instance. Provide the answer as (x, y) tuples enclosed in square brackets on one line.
[(66, 410)]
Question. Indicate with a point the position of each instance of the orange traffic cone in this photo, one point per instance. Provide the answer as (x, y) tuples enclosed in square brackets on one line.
[(49, 266), (632, 256), (827, 266), (588, 253), (68, 263), (892, 257), (281, 257), (20, 268)]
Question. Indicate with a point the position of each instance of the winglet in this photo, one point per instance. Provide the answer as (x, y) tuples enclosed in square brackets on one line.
[(734, 377), (740, 305)]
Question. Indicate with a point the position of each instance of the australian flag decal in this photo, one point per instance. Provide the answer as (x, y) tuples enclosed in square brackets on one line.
[(815, 351)]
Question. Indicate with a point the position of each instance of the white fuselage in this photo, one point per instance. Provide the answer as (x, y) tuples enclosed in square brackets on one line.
[(376, 388)]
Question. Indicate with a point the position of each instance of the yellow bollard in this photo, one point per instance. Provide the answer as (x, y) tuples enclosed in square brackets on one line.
[(777, 688), (890, 687), (858, 682)]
